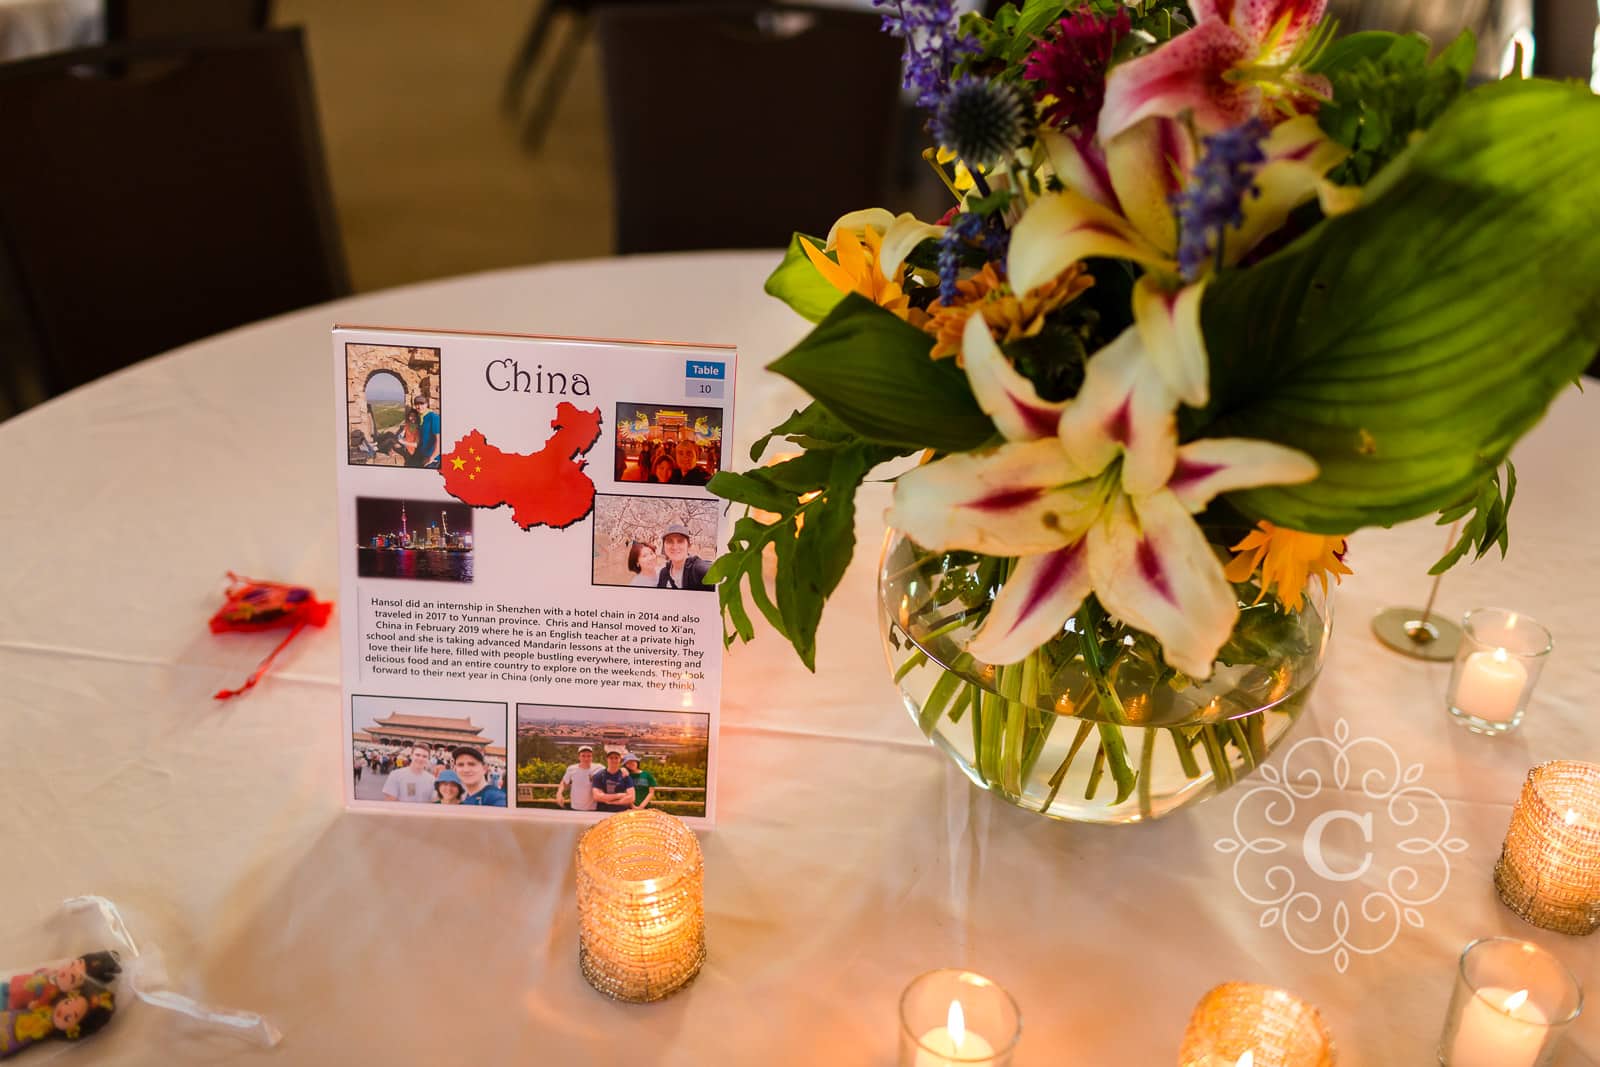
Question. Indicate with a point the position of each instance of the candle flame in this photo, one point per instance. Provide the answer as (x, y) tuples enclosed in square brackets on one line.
[(956, 1023), (1511, 623), (1516, 1000), (1247, 1060), (1500, 655)]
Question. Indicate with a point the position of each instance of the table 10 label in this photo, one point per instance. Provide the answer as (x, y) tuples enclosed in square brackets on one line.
[(704, 380)]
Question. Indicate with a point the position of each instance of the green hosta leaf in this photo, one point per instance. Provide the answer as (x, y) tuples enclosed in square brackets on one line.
[(872, 372), (797, 283), (1408, 344)]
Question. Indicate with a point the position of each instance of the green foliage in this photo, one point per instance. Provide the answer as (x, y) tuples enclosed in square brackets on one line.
[(1406, 345), (387, 415), (1487, 528), (1385, 90), (1010, 35), (813, 536), (872, 372), (686, 774), (797, 283)]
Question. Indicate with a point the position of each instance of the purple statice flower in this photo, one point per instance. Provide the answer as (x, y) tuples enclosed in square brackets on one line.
[(934, 43), (1070, 65), (963, 229), (1213, 198)]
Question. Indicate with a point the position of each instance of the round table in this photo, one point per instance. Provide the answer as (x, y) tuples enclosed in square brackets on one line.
[(848, 856)]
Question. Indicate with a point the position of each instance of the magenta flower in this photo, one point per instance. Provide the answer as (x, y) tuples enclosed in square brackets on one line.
[(1070, 65)]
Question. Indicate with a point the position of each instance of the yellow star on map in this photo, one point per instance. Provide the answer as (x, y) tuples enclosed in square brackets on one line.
[(457, 462)]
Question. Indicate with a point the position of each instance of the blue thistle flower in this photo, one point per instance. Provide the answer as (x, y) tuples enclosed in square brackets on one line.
[(981, 121), (1214, 197), (934, 43)]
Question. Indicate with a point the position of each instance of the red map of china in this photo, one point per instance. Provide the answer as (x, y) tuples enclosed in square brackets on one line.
[(544, 488)]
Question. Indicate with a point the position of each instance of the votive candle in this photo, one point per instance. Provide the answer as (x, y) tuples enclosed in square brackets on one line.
[(1496, 667), (1511, 1006), (955, 1018)]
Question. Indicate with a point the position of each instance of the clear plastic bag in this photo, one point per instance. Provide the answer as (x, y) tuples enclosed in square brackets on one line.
[(48, 1009)]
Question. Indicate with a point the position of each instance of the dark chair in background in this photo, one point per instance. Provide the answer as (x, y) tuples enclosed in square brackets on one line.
[(144, 20), (575, 14), (155, 193), (732, 128), (576, 17)]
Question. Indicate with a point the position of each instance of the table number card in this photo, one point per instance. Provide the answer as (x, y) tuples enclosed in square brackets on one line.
[(524, 532)]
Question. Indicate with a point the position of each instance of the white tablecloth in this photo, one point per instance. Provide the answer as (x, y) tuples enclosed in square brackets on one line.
[(849, 857), (34, 27)]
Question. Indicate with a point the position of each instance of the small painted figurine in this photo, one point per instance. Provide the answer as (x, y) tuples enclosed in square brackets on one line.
[(72, 1017), (43, 986)]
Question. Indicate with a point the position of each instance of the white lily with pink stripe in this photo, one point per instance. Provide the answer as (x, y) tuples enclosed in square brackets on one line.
[(1091, 495), (1119, 205)]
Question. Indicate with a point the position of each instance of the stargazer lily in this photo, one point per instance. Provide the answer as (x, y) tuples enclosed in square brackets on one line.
[(1119, 204), (1242, 59), (1092, 494)]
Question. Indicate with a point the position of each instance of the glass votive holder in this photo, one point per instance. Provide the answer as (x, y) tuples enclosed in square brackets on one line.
[(641, 912), (1243, 1024), (954, 1018), (1549, 868), (1496, 668), (1512, 1004)]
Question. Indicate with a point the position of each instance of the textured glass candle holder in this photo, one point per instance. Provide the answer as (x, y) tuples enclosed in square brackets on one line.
[(1512, 1005), (1495, 669), (954, 1018), (1549, 867), (1245, 1023), (641, 912)]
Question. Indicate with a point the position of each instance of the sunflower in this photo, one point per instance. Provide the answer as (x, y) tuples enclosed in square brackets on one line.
[(1287, 559), (1010, 317)]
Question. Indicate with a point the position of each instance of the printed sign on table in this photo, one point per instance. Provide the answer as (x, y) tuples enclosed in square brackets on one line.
[(524, 537)]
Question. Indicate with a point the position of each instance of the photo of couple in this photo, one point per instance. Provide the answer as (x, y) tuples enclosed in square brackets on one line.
[(668, 446), (426, 754), (654, 542), (392, 396), (609, 760)]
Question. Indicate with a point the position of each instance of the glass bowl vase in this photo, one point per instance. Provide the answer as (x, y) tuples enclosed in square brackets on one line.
[(1093, 726)]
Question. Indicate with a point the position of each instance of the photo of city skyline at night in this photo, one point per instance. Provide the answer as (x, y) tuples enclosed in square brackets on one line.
[(415, 539)]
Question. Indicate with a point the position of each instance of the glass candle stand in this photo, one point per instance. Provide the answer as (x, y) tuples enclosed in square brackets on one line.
[(1549, 867), (953, 1018), (1242, 1024), (1512, 1005), (641, 915), (1495, 670)]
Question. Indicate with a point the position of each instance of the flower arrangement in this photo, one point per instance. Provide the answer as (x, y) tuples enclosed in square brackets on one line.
[(1217, 289)]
